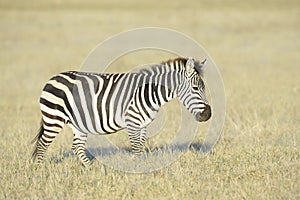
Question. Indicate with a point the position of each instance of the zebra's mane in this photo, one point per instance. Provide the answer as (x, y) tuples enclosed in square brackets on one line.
[(198, 66)]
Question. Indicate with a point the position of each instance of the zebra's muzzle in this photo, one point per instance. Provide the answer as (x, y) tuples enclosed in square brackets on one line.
[(204, 115)]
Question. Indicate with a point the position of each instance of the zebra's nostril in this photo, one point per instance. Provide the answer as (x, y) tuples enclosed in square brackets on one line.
[(198, 116)]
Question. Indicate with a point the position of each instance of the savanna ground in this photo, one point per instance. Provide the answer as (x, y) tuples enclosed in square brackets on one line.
[(256, 46)]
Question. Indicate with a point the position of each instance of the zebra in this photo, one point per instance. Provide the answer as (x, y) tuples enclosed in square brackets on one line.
[(101, 103)]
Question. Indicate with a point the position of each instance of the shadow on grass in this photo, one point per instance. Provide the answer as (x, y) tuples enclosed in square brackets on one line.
[(93, 153)]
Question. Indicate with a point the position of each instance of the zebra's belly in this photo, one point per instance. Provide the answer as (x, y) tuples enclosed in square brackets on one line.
[(102, 126), (109, 128)]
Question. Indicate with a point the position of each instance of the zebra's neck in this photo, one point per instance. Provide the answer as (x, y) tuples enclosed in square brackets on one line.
[(166, 80)]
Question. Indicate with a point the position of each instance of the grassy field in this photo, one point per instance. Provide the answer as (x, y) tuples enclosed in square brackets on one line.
[(256, 47)]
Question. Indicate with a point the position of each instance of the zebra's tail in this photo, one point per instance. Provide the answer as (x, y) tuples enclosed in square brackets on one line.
[(36, 140)]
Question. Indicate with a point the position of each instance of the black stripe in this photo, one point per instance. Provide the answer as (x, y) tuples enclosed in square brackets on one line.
[(169, 85), (157, 95), (147, 97), (95, 81), (142, 96), (99, 101), (52, 105), (163, 93), (108, 101), (54, 117), (153, 88), (173, 77)]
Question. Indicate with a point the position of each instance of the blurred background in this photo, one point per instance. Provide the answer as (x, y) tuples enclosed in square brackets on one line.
[(249, 42)]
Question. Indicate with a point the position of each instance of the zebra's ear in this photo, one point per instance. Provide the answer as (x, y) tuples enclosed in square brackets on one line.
[(203, 62), (199, 67), (190, 66)]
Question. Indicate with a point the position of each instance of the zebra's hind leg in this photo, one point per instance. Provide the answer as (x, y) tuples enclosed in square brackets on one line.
[(79, 146), (46, 134)]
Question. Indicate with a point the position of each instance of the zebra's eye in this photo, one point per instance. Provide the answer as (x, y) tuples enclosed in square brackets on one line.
[(195, 88)]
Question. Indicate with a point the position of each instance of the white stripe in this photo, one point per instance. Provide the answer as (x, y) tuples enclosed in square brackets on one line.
[(94, 105), (119, 112)]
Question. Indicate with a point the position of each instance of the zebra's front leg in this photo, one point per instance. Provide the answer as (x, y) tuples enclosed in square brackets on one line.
[(137, 139)]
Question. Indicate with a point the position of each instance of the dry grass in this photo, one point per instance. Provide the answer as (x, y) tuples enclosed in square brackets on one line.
[(256, 47)]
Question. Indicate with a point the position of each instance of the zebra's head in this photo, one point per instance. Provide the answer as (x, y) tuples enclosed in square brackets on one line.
[(192, 91)]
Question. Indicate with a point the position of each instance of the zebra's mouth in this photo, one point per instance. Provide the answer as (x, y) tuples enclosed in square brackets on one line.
[(204, 115)]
